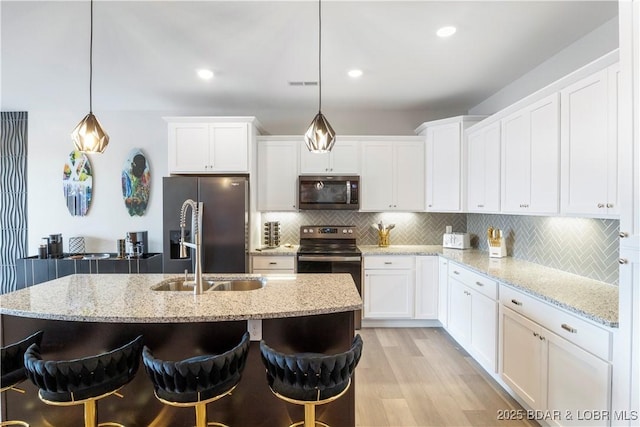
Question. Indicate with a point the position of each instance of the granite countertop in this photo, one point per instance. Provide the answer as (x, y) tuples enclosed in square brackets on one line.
[(128, 298), (592, 299)]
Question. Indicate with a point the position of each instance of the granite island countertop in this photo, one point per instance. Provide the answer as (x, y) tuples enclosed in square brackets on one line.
[(592, 299), (128, 298)]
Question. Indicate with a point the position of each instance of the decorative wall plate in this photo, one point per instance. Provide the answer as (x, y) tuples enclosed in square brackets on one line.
[(136, 182), (77, 183)]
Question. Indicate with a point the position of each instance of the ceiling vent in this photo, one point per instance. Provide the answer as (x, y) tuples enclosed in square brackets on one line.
[(300, 83)]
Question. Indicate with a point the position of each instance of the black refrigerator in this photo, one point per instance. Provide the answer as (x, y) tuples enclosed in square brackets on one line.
[(225, 219)]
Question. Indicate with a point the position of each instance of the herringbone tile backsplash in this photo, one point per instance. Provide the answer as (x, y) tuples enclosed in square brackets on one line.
[(411, 228), (583, 246)]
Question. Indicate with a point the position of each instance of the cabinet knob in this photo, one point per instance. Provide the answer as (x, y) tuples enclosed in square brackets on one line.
[(600, 205), (430, 206), (456, 272), (516, 302), (609, 205), (479, 283), (481, 206), (623, 234), (535, 334), (622, 261)]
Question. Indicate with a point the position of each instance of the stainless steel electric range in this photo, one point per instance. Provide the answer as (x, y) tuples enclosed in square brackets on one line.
[(331, 249)]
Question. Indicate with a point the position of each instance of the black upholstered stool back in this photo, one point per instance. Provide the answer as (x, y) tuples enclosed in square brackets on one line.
[(198, 378), (310, 376), (12, 360), (79, 379)]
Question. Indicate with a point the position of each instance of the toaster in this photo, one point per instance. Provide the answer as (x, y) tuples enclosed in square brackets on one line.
[(456, 240)]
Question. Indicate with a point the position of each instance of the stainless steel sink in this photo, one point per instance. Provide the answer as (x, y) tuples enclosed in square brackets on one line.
[(238, 285), (178, 284), (208, 284)]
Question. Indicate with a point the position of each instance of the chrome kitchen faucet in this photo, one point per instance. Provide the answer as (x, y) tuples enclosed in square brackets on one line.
[(196, 224)]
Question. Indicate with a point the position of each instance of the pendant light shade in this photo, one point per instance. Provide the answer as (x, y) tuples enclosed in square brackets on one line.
[(88, 135), (320, 136)]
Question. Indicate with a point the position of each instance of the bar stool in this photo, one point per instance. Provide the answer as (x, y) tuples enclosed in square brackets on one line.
[(310, 379), (12, 367), (83, 381), (199, 380)]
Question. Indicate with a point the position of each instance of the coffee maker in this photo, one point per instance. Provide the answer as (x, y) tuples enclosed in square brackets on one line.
[(136, 244)]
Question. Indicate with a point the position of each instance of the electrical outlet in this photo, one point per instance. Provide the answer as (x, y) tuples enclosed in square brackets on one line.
[(254, 326)]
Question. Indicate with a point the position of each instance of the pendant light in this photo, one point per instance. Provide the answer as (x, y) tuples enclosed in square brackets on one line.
[(320, 136), (88, 135)]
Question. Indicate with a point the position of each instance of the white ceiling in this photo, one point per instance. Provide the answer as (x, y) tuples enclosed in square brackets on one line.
[(146, 53)]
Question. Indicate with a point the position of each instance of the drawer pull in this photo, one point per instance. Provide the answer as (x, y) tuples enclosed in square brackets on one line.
[(456, 272), (479, 283), (388, 263), (622, 261), (516, 302), (273, 263), (569, 328)]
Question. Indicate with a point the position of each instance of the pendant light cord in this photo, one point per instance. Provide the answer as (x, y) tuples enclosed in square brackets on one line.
[(91, 61), (319, 56)]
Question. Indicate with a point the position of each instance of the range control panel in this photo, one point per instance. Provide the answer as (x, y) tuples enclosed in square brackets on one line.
[(327, 232)]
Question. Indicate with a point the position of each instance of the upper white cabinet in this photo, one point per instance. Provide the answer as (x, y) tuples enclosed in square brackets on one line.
[(483, 169), (531, 158), (445, 161), (392, 176), (344, 159), (210, 144), (590, 145), (277, 174)]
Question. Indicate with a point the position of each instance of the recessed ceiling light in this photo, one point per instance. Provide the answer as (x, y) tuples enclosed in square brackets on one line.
[(205, 74), (355, 73), (446, 31)]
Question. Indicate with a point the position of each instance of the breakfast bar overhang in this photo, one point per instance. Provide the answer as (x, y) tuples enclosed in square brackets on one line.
[(83, 315)]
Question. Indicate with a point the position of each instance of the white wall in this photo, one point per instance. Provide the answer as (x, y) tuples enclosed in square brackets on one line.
[(107, 219), (597, 43)]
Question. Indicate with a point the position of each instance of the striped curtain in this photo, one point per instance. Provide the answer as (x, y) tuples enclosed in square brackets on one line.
[(13, 195)]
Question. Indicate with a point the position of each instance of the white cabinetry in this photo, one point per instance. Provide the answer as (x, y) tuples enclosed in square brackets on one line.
[(445, 162), (392, 177), (531, 159), (427, 279), (590, 145), (553, 360), (473, 314), (389, 287), (277, 174), (443, 291), (344, 159), (273, 264), (483, 169), (210, 144)]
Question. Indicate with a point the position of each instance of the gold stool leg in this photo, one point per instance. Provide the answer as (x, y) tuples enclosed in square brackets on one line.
[(309, 415), (90, 413)]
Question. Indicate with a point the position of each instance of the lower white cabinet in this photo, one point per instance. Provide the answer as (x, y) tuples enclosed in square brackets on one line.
[(548, 372), (443, 291), (389, 283), (275, 264), (427, 279), (473, 314)]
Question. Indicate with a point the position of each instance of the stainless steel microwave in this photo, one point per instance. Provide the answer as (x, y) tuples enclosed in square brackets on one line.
[(328, 192)]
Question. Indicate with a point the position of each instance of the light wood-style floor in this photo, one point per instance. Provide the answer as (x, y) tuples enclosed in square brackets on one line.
[(421, 377)]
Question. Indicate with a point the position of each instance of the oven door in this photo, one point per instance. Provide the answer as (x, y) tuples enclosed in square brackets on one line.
[(334, 264)]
